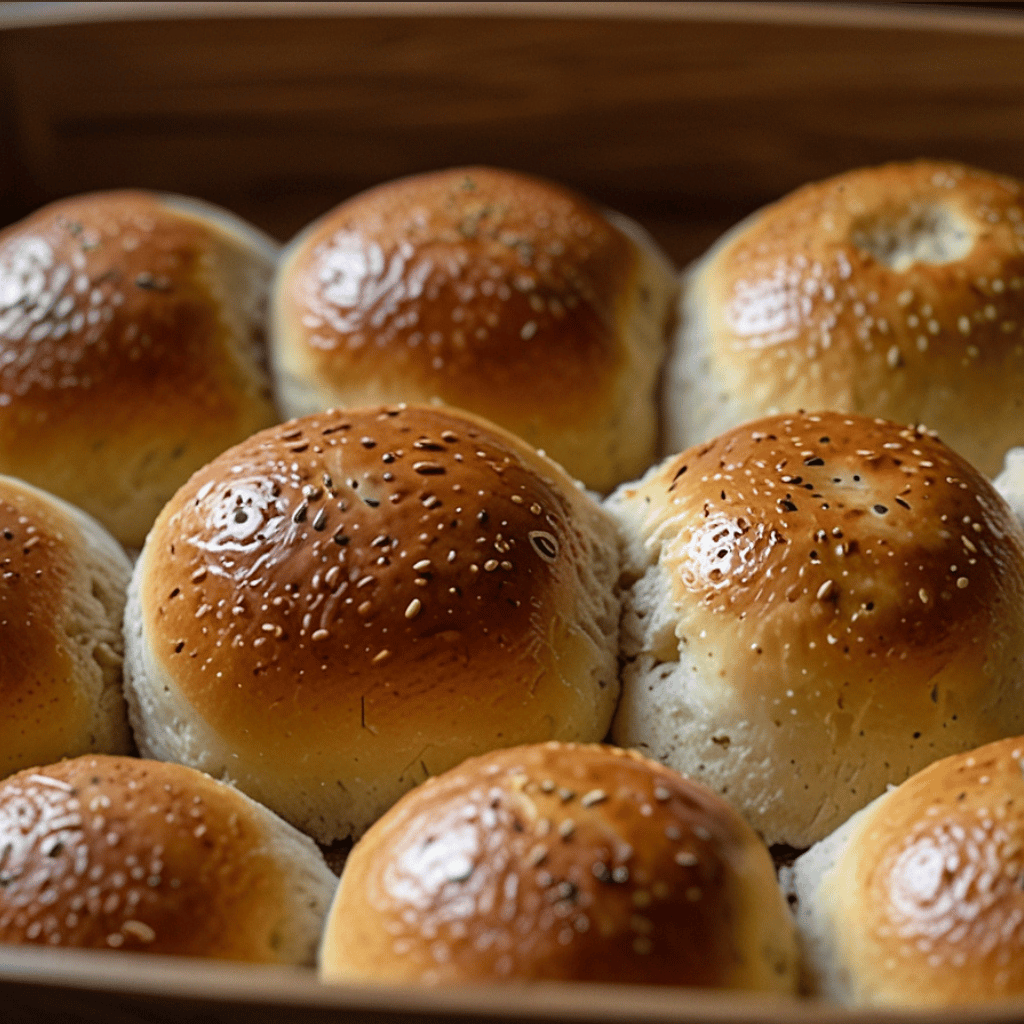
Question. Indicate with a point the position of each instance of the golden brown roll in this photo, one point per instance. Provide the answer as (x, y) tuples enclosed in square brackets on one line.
[(131, 348), (487, 290), (350, 602), (820, 606), (918, 900), (892, 291), (62, 596), (561, 862), (121, 853)]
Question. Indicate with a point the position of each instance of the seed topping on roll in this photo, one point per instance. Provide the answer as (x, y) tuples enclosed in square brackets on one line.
[(124, 854), (561, 862), (62, 596), (918, 900), (893, 291), (389, 587), (824, 569), (131, 348), (488, 290)]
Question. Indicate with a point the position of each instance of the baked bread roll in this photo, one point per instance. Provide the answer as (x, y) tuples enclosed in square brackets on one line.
[(131, 348), (820, 605), (343, 605), (891, 291), (917, 900), (487, 290), (62, 596), (120, 853), (561, 862)]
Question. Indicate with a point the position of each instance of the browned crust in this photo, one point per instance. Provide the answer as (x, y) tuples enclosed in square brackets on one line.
[(44, 700), (836, 543), (931, 884), (119, 853), (117, 350), (806, 312), (562, 862), (492, 290), (376, 576)]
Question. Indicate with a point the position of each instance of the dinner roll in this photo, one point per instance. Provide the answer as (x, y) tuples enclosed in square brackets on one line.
[(892, 291), (120, 853), (821, 605), (131, 334), (62, 596), (487, 290), (348, 603), (561, 862), (918, 899)]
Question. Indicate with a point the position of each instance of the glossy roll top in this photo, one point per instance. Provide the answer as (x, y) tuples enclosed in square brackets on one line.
[(124, 854), (62, 597), (893, 291), (488, 290), (350, 602), (132, 330), (561, 862), (918, 901), (821, 605)]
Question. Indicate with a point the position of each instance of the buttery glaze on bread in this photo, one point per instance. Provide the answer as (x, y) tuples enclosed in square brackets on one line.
[(348, 603), (561, 862), (120, 853), (62, 596), (131, 334), (893, 291), (487, 290), (821, 605), (918, 900)]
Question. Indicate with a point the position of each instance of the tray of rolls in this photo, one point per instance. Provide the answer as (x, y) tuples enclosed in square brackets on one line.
[(512, 512)]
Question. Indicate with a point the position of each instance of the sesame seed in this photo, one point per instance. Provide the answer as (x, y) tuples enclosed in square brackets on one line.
[(685, 859), (824, 590), (595, 796), (413, 608), (567, 828), (661, 794), (381, 656), (962, 582), (537, 855), (320, 634)]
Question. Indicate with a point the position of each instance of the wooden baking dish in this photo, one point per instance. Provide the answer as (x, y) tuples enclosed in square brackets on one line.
[(685, 115)]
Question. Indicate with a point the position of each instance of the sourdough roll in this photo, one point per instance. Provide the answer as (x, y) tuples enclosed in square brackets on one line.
[(62, 597), (820, 605), (561, 862), (348, 603), (918, 900), (891, 291), (132, 332), (120, 853), (487, 290)]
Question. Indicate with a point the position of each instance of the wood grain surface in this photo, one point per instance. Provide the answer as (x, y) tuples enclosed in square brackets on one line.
[(685, 121)]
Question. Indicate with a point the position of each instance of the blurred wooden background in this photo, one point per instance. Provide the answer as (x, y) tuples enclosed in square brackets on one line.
[(685, 115)]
